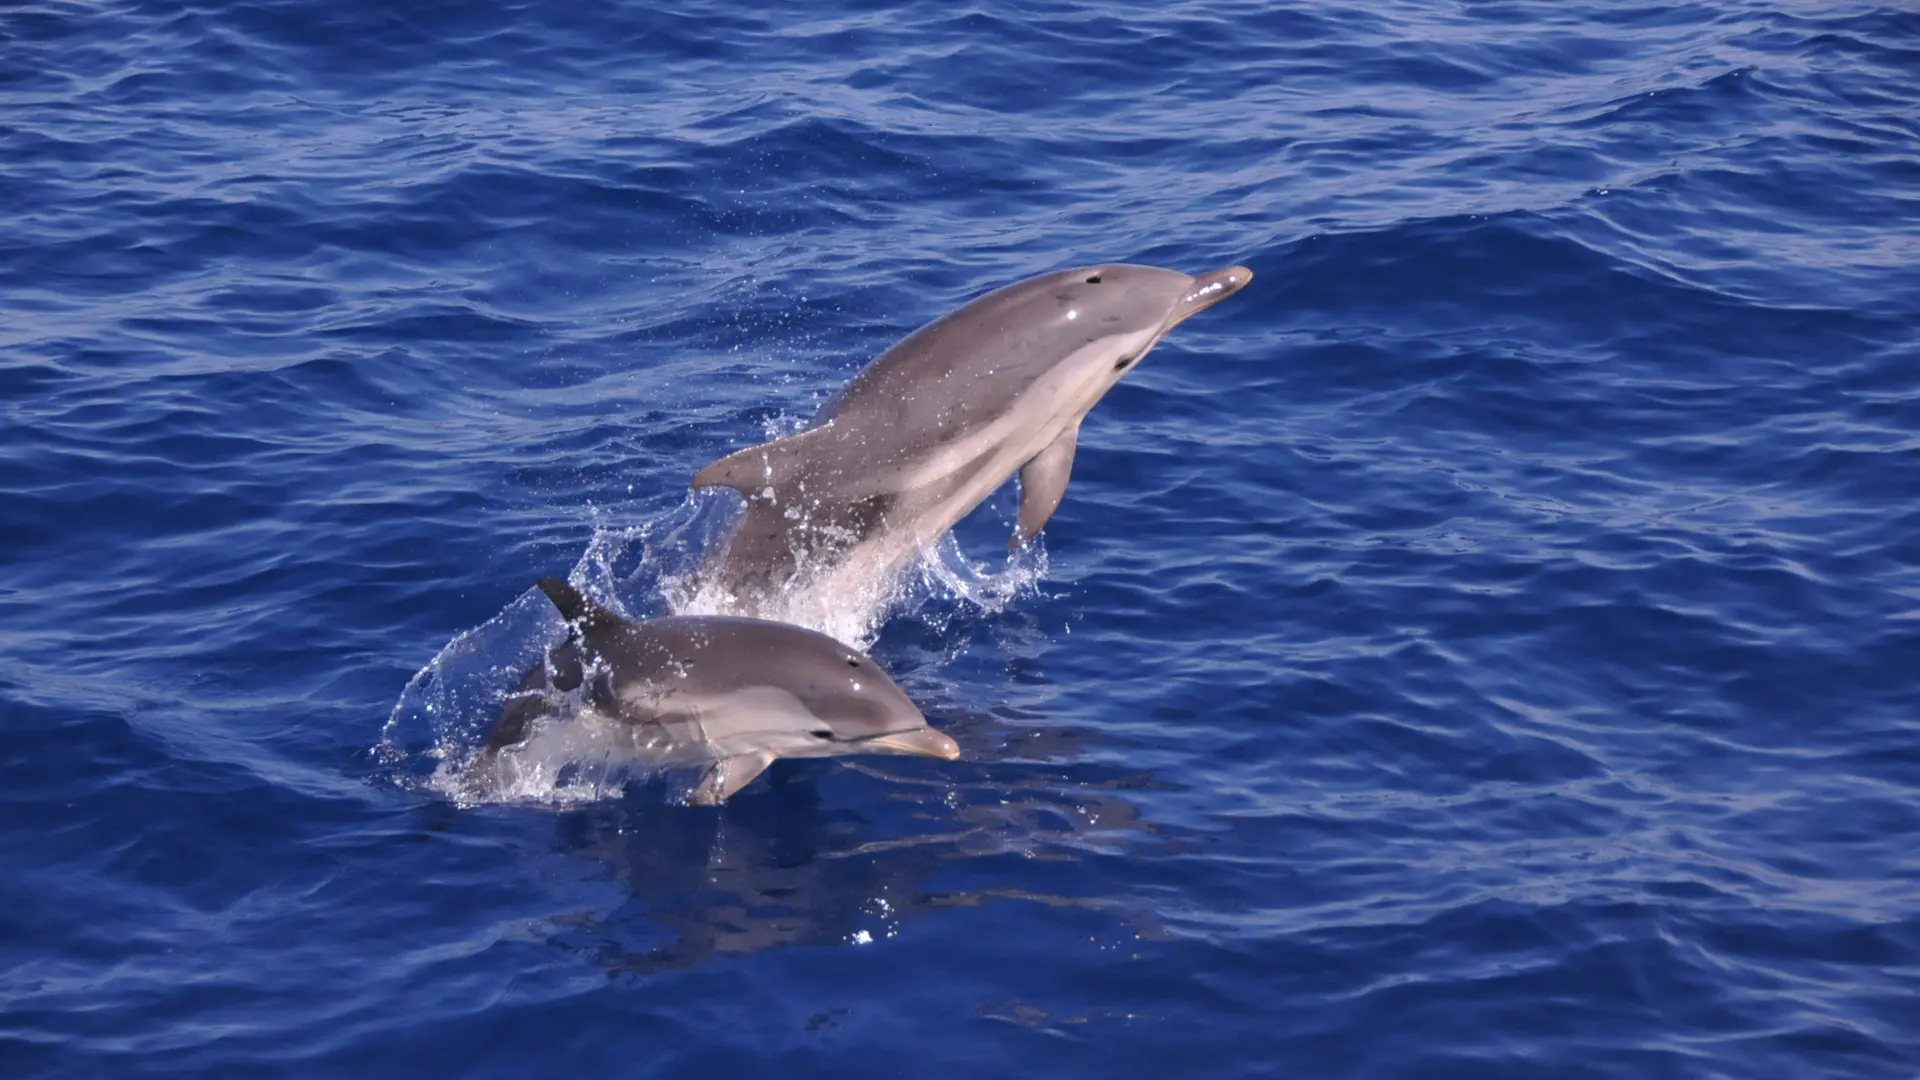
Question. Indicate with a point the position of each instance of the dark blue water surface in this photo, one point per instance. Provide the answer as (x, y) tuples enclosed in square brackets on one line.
[(1488, 646)]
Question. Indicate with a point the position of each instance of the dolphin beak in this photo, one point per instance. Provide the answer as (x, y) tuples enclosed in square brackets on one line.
[(1209, 289), (921, 742)]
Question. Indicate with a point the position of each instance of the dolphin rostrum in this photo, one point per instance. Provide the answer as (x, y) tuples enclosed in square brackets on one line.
[(937, 423), (731, 693)]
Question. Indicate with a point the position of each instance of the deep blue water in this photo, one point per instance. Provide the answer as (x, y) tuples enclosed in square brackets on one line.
[(1487, 646)]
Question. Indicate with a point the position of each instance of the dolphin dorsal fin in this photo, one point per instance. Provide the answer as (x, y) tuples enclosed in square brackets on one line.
[(576, 608), (754, 470)]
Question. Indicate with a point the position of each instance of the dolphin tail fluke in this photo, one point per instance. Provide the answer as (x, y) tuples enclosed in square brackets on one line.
[(755, 470), (576, 608)]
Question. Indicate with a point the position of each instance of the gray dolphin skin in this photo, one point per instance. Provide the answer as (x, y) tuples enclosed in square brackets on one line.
[(937, 423), (734, 692)]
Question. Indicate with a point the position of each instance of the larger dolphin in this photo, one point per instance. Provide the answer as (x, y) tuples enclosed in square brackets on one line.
[(729, 693), (938, 422)]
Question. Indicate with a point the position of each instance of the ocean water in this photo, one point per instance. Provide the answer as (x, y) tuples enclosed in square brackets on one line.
[(1487, 646)]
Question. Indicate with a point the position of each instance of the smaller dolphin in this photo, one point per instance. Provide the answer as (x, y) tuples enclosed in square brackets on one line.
[(937, 423), (734, 692)]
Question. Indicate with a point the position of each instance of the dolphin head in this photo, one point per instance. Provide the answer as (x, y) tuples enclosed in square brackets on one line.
[(841, 701), (786, 692), (1131, 307), (778, 690), (743, 693)]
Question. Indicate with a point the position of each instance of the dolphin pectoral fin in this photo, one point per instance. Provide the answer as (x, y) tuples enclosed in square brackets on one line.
[(1043, 483), (757, 469), (728, 776)]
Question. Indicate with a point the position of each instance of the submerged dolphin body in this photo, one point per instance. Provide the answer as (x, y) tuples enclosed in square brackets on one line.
[(938, 422), (686, 690)]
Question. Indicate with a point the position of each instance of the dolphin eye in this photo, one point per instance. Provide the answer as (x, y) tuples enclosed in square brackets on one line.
[(1094, 280), (851, 662), (821, 733)]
